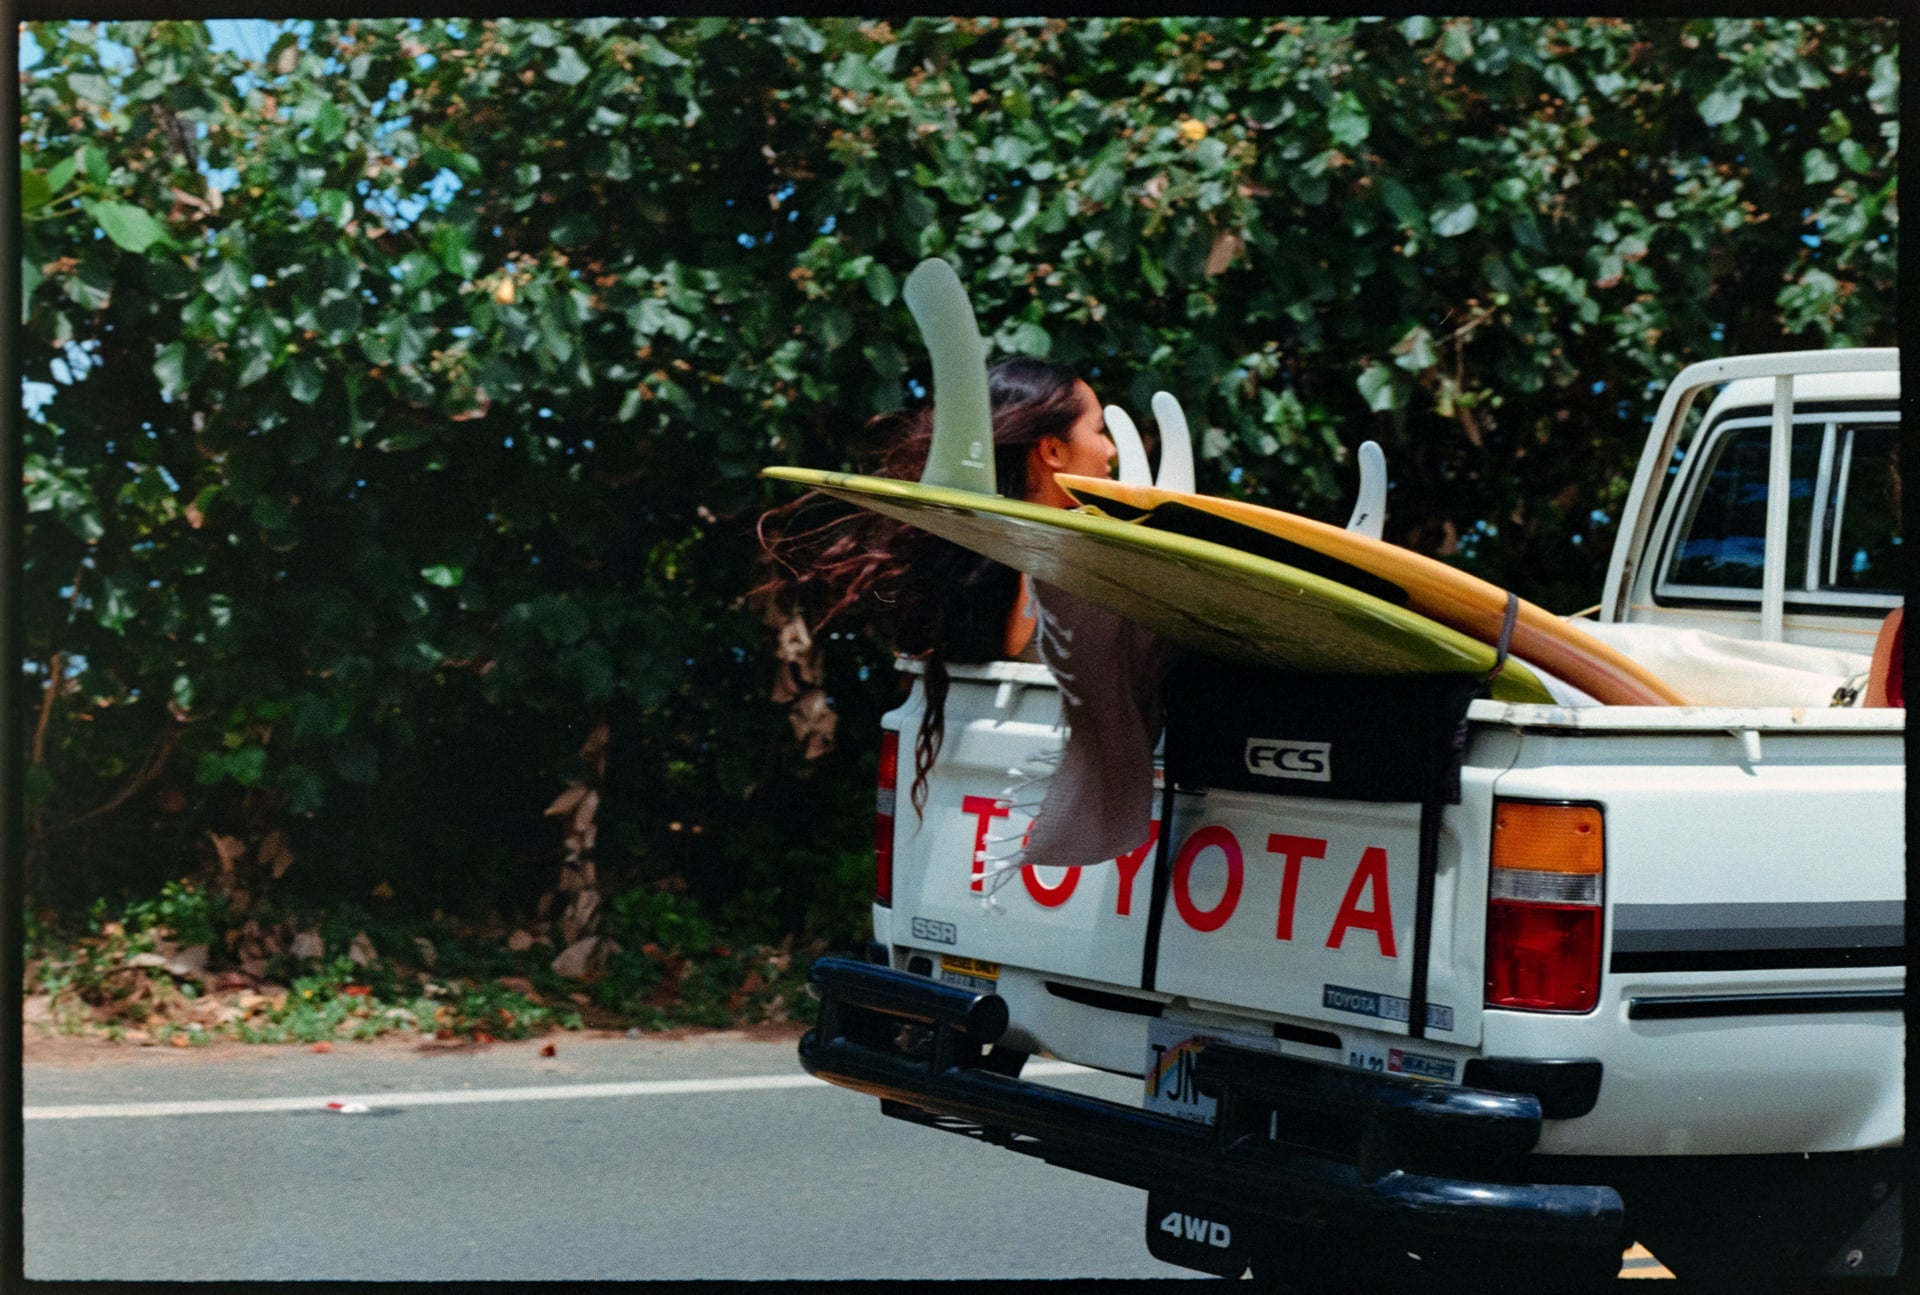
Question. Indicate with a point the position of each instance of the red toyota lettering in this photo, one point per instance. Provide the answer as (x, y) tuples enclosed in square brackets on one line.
[(1378, 919), (1211, 919), (985, 809), (1049, 896), (1129, 865), (1292, 849)]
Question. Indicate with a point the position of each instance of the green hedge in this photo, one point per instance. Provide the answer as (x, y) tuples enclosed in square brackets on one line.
[(409, 386)]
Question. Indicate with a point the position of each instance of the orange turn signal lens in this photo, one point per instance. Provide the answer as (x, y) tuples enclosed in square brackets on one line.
[(1534, 837)]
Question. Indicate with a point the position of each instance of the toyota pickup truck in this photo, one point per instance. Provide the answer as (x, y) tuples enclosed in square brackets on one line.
[(1553, 980)]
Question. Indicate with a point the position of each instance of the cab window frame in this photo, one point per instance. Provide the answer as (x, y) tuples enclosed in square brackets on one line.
[(1814, 526)]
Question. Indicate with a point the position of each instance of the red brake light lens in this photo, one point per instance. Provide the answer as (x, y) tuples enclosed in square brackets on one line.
[(883, 818), (1543, 957)]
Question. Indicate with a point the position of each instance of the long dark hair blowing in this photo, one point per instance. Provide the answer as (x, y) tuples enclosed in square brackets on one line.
[(947, 604)]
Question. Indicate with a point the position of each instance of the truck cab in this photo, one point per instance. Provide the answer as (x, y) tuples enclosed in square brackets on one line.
[(1758, 536)]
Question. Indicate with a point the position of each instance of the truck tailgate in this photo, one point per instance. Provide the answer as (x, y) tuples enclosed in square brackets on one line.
[(1082, 923), (1306, 908), (1329, 842)]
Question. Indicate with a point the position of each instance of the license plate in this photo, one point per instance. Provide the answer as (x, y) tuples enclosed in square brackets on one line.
[(1172, 1049), (970, 973)]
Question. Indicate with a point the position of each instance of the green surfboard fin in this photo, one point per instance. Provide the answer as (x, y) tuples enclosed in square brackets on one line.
[(961, 456)]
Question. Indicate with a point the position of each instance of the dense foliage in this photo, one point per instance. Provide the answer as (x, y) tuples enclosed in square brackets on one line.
[(409, 385)]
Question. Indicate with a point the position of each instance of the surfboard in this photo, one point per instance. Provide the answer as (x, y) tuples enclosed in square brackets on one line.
[(1388, 572), (1212, 598)]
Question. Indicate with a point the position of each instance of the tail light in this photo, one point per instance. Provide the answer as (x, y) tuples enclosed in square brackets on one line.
[(1544, 906), (883, 818)]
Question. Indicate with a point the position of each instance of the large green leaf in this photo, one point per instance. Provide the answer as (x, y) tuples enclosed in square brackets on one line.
[(1453, 219), (130, 227), (1723, 103), (568, 68), (35, 191), (305, 379), (1378, 388), (91, 87), (1347, 120), (1817, 166)]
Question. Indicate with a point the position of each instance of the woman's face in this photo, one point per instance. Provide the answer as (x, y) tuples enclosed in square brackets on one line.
[(1089, 450), (1084, 451)]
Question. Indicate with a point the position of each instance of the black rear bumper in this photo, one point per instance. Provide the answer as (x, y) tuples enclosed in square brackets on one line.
[(1399, 1159)]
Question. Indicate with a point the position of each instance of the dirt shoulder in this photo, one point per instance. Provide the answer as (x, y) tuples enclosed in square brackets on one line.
[(41, 1045)]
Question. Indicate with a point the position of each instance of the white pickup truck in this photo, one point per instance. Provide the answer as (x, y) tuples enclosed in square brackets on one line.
[(1602, 975)]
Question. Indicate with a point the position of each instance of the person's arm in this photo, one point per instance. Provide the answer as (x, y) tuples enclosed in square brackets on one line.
[(1021, 622)]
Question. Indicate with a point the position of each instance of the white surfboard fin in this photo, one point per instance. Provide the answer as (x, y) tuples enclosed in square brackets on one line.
[(1134, 469), (961, 455), (1370, 511), (1176, 444)]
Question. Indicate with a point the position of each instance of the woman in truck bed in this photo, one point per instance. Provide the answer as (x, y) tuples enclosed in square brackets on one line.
[(947, 604)]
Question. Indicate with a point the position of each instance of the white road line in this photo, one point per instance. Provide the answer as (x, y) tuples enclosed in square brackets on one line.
[(460, 1096)]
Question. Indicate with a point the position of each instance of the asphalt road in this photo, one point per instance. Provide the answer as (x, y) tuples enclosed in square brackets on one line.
[(715, 1158)]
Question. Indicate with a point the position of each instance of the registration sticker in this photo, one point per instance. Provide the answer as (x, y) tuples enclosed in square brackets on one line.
[(1402, 1061), (969, 973)]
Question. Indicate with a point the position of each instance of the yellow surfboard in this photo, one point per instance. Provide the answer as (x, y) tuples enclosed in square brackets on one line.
[(1210, 597), (1396, 575)]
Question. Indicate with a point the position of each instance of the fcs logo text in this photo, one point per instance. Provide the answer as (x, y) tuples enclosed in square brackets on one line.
[(1275, 757)]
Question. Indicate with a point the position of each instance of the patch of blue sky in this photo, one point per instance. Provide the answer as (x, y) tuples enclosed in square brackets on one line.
[(74, 362), (443, 188), (250, 38), (401, 212), (113, 55)]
